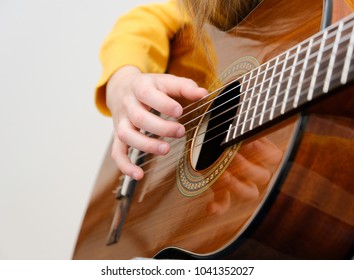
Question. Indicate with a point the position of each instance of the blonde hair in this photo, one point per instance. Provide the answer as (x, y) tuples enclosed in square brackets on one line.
[(224, 14)]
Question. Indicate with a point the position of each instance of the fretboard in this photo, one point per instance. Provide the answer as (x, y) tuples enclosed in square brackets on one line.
[(300, 75)]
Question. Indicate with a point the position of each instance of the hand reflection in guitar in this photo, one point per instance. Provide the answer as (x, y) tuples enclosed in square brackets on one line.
[(250, 174), (315, 192)]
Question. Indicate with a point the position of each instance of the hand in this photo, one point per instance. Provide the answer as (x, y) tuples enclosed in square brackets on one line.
[(130, 97)]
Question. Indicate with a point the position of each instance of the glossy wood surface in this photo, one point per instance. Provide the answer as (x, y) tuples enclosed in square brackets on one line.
[(286, 193)]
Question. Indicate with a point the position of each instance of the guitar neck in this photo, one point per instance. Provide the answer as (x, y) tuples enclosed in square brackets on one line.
[(298, 76)]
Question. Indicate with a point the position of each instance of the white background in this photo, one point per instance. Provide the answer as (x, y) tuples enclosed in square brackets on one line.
[(52, 137)]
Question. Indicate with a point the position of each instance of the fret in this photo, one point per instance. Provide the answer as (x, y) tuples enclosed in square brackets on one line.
[(327, 40), (290, 80), (295, 74), (317, 66), (338, 67), (260, 86), (251, 86), (242, 102), (245, 101), (332, 59), (302, 75), (340, 46), (280, 83), (269, 88), (348, 59), (228, 133)]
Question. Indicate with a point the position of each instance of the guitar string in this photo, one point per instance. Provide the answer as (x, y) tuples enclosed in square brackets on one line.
[(303, 43), (246, 120), (240, 85), (248, 90), (170, 164), (270, 61), (278, 105), (220, 95), (332, 28)]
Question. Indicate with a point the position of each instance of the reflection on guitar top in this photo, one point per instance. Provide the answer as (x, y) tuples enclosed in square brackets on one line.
[(265, 168)]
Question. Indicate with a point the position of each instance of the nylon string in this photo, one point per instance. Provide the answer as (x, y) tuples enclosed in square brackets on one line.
[(175, 142)]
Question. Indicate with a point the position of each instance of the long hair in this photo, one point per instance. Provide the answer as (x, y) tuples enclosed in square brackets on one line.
[(224, 14)]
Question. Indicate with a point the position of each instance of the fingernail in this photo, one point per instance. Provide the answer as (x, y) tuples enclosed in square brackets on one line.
[(162, 148), (135, 176), (178, 111), (138, 175), (180, 132)]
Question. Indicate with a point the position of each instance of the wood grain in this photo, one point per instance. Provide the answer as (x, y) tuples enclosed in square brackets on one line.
[(286, 193)]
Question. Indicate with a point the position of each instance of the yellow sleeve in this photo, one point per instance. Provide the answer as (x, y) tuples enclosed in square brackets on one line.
[(350, 4), (140, 38)]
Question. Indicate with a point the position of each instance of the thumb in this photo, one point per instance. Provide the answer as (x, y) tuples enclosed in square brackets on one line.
[(178, 87)]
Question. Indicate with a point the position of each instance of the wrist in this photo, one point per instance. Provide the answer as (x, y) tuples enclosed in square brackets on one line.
[(119, 82)]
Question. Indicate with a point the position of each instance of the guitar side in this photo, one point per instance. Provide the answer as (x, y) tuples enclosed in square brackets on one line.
[(298, 205)]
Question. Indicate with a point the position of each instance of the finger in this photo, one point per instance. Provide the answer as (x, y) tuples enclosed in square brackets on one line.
[(243, 190), (250, 171), (143, 119), (132, 137), (178, 87), (220, 204), (120, 156), (160, 101), (262, 151)]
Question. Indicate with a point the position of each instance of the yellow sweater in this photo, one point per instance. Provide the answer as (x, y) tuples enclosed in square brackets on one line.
[(146, 38), (149, 38)]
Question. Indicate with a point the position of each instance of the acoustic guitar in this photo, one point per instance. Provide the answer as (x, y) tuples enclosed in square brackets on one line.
[(266, 168)]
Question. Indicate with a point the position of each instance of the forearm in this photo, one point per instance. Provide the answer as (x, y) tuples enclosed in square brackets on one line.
[(140, 38)]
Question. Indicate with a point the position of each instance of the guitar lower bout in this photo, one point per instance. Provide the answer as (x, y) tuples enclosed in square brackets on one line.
[(285, 191)]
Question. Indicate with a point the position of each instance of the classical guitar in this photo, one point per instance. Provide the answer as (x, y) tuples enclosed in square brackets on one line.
[(265, 170)]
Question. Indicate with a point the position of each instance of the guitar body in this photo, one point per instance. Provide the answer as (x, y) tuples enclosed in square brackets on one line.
[(283, 193)]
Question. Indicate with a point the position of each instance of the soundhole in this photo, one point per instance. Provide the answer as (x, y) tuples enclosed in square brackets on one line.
[(213, 130)]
